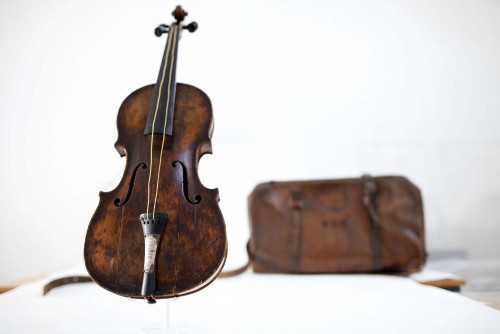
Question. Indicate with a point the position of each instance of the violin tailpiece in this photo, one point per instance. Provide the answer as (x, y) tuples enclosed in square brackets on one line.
[(152, 226)]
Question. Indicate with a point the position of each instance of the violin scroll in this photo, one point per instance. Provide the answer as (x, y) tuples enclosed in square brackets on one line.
[(179, 14)]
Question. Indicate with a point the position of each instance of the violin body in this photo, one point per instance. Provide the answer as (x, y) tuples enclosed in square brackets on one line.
[(193, 243)]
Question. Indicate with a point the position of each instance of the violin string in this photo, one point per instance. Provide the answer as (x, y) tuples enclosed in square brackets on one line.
[(166, 114), (167, 51)]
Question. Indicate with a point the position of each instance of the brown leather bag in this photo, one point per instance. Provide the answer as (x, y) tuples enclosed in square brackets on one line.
[(337, 226)]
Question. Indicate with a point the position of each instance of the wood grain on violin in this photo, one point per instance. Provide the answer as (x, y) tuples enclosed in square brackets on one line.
[(160, 232)]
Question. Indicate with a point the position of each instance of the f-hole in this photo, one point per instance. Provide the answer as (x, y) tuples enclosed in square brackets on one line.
[(185, 188), (131, 185)]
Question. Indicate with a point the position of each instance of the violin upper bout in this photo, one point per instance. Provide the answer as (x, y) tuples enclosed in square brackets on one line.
[(132, 117)]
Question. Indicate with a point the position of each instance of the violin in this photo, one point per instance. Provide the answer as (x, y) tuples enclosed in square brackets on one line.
[(160, 233)]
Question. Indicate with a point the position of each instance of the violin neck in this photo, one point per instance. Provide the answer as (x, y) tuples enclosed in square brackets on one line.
[(161, 113)]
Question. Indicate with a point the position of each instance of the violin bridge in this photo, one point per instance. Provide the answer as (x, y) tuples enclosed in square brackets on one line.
[(152, 226)]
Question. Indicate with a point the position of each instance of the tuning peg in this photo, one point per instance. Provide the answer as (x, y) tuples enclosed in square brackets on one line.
[(191, 27), (161, 29)]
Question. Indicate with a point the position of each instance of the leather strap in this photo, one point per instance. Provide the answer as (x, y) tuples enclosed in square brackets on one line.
[(369, 194), (242, 269), (63, 281)]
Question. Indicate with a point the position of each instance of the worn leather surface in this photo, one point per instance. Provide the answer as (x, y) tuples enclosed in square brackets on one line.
[(337, 226)]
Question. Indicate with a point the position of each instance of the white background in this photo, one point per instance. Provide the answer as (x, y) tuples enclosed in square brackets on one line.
[(300, 89)]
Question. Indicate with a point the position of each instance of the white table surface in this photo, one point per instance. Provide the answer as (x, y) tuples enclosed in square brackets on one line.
[(252, 303)]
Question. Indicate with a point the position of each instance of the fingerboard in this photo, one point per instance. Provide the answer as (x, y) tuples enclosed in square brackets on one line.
[(161, 114)]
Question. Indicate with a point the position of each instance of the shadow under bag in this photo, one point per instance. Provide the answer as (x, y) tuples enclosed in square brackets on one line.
[(361, 225)]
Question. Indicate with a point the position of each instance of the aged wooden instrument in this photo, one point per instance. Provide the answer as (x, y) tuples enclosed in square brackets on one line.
[(160, 232)]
